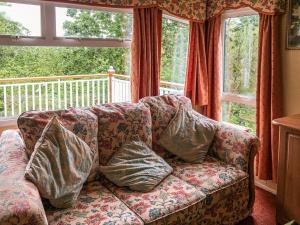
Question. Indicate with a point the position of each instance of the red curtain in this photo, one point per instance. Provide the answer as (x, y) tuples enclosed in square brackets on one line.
[(146, 52), (196, 85), (268, 96), (213, 47)]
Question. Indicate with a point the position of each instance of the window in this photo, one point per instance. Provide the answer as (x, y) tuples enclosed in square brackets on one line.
[(54, 56), (93, 24), (240, 53), (175, 39), (15, 22)]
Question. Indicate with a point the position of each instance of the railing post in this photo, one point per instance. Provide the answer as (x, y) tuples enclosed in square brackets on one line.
[(111, 72)]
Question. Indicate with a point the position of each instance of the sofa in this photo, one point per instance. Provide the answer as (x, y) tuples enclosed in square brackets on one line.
[(218, 191)]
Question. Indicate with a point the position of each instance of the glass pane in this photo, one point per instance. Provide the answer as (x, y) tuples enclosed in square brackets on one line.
[(175, 39), (20, 19), (84, 23), (239, 114), (17, 61), (240, 55), (55, 93)]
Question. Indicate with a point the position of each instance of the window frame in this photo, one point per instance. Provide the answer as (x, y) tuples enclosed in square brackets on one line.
[(227, 96), (48, 29)]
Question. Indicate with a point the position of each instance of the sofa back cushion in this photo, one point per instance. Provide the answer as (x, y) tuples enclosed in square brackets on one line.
[(163, 109), (119, 123), (81, 122)]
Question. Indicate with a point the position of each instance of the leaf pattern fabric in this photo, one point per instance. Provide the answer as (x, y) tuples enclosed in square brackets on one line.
[(59, 165), (95, 206), (119, 123), (81, 122), (20, 201), (163, 109), (173, 201)]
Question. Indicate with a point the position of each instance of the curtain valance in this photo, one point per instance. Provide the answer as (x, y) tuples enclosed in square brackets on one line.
[(188, 9), (268, 7)]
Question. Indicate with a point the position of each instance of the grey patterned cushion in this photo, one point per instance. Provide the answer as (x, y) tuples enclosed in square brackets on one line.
[(136, 166), (59, 165), (188, 136)]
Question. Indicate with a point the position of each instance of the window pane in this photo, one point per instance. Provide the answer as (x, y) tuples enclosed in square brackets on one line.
[(84, 23), (20, 19), (240, 55), (175, 38), (239, 114), (59, 93)]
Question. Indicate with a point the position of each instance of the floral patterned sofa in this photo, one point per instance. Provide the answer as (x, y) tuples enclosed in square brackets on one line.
[(218, 191)]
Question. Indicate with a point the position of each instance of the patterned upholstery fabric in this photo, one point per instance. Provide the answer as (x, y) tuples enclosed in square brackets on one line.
[(215, 7), (95, 205), (226, 189), (209, 176), (20, 201), (229, 210), (119, 123), (234, 146), (163, 109), (137, 167), (59, 165), (81, 122), (172, 202)]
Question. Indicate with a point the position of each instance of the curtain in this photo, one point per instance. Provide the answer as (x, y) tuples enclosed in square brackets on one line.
[(146, 52), (268, 96), (213, 47), (196, 85)]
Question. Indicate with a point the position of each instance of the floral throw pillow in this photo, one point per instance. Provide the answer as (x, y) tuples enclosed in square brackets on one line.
[(188, 136), (136, 166), (119, 123), (59, 165), (81, 122)]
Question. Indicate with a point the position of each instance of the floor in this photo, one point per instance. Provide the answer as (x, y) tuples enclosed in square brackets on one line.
[(264, 209)]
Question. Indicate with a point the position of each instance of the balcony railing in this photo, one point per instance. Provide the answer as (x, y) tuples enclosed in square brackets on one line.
[(59, 92)]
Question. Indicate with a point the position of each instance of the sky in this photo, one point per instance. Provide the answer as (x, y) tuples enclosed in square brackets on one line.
[(29, 16)]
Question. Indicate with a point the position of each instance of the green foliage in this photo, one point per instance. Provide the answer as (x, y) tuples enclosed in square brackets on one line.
[(240, 70), (175, 38), (11, 27)]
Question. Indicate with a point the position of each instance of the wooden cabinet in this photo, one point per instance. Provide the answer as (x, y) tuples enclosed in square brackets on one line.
[(288, 188)]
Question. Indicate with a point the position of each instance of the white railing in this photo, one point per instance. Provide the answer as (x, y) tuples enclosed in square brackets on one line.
[(60, 92)]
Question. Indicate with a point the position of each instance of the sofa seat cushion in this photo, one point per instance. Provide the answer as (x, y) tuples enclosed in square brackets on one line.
[(173, 201), (95, 205), (210, 176)]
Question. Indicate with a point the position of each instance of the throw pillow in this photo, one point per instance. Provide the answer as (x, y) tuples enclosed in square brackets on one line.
[(81, 122), (188, 136), (59, 165), (136, 166), (163, 108)]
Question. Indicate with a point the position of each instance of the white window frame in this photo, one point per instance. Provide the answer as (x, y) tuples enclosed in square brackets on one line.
[(227, 96), (48, 29)]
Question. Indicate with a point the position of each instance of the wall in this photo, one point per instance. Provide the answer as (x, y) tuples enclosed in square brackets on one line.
[(291, 75)]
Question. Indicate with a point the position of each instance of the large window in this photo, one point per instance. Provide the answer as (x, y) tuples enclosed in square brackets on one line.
[(240, 67), (56, 56), (175, 39)]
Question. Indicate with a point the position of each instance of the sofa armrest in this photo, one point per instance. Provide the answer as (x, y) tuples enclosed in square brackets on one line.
[(235, 146), (20, 202), (238, 147)]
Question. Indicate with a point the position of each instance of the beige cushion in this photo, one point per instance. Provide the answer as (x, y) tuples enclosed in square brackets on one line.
[(188, 135), (59, 165), (136, 166)]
